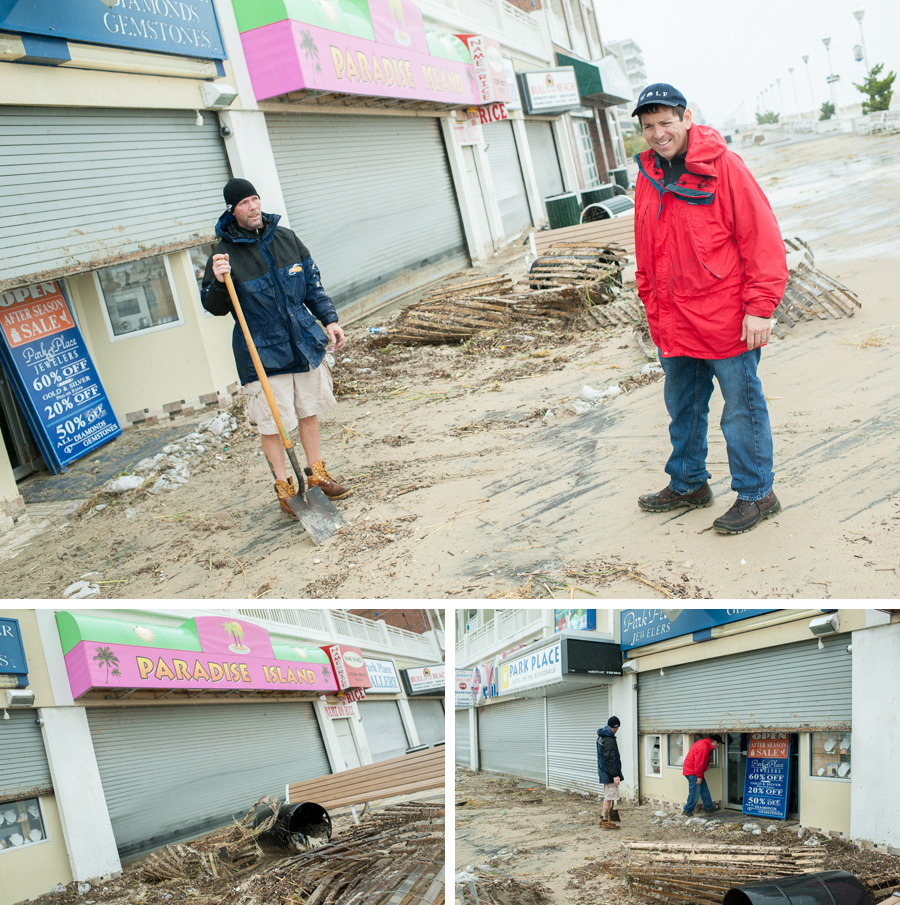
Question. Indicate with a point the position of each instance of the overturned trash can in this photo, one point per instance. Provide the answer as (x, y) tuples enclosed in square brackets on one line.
[(294, 828), (831, 887)]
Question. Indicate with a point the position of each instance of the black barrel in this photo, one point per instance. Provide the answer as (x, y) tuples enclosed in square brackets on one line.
[(296, 827), (831, 887)]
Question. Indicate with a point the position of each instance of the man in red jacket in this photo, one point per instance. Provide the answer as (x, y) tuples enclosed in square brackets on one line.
[(696, 763), (711, 269)]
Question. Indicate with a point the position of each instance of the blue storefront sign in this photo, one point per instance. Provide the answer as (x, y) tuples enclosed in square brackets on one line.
[(12, 651), (186, 28), (52, 375), (768, 775), (642, 627)]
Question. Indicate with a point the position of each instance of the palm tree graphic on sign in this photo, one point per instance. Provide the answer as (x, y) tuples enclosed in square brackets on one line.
[(105, 657), (236, 630), (310, 51), (396, 7), (326, 673)]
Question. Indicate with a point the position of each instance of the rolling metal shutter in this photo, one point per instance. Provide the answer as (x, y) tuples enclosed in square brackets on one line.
[(461, 736), (171, 772), (572, 723), (91, 186), (506, 173), (370, 196), (789, 688), (544, 157), (384, 729), (429, 719), (24, 771), (511, 738)]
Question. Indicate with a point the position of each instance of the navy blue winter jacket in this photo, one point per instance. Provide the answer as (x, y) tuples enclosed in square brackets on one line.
[(281, 295), (609, 764)]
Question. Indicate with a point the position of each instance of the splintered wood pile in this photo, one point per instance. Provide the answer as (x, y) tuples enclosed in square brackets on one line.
[(478, 890), (703, 873), (564, 281)]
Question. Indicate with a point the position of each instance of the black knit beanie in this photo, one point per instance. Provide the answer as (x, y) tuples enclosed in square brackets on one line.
[(236, 190)]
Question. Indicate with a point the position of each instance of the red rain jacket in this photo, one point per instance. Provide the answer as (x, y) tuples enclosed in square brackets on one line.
[(696, 761), (709, 251)]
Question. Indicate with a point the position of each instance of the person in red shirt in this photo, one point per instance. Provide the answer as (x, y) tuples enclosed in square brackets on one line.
[(696, 763)]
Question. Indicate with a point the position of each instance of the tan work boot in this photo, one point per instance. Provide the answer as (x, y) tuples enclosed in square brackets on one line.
[(286, 491), (607, 824), (318, 477)]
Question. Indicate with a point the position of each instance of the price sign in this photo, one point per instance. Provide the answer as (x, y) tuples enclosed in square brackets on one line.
[(52, 374), (768, 775)]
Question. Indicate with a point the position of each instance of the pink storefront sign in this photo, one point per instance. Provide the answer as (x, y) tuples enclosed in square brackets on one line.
[(491, 82), (292, 56), (93, 664)]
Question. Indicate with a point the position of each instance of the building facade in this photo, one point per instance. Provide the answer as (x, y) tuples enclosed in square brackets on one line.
[(127, 730), (394, 138), (813, 692)]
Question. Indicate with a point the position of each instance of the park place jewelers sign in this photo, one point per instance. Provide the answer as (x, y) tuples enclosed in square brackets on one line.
[(186, 28), (541, 667)]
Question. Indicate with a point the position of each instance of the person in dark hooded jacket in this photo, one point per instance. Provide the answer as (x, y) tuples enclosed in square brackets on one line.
[(282, 298), (609, 769)]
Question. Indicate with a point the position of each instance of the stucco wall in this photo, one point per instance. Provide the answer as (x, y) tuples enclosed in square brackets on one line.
[(875, 807)]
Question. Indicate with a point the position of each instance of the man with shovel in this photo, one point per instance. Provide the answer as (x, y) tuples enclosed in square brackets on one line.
[(281, 295)]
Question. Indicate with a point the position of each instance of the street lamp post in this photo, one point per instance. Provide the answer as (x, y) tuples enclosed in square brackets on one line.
[(859, 13), (826, 42), (812, 98), (794, 89)]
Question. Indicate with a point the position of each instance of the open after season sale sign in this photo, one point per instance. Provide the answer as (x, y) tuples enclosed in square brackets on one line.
[(768, 775), (52, 374)]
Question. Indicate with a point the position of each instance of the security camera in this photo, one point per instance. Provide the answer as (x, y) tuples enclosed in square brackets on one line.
[(828, 624), (226, 131)]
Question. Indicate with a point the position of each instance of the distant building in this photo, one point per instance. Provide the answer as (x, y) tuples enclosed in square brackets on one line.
[(419, 621), (631, 59)]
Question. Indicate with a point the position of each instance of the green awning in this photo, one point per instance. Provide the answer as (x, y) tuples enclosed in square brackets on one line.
[(590, 82)]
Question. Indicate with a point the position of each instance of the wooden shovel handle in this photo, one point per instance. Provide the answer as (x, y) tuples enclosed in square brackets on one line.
[(260, 371)]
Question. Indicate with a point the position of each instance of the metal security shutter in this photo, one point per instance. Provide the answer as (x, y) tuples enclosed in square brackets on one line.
[(544, 157), (511, 738), (429, 719), (370, 196), (173, 772), (90, 186), (24, 771), (461, 736), (506, 172), (791, 687), (384, 729), (572, 723)]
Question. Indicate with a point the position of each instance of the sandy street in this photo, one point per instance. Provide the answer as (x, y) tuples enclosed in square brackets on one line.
[(473, 478)]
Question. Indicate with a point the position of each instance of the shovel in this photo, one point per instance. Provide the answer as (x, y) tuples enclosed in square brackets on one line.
[(310, 507)]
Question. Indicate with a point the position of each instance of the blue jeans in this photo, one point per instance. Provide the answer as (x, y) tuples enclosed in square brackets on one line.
[(745, 422), (695, 790)]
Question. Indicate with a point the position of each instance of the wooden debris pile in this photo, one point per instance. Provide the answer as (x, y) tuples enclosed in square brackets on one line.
[(701, 874), (564, 281), (474, 889)]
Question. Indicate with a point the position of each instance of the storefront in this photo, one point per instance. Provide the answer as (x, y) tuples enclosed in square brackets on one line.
[(192, 724), (551, 700), (425, 690)]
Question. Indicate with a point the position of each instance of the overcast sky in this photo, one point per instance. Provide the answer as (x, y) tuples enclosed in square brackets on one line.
[(720, 54)]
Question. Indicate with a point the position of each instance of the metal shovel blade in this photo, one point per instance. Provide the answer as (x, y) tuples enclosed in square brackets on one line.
[(317, 514)]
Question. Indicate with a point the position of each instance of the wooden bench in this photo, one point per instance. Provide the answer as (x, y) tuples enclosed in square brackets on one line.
[(618, 230), (410, 774)]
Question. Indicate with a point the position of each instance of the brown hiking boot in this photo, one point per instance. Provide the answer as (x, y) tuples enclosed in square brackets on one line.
[(608, 825), (286, 491), (668, 499), (318, 477), (747, 514)]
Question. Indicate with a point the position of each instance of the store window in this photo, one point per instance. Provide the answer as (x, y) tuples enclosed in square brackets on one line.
[(199, 256), (138, 297), (652, 755), (21, 823), (675, 750), (829, 754), (586, 153)]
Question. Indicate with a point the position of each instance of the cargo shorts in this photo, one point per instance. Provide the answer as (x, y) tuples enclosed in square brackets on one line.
[(298, 395)]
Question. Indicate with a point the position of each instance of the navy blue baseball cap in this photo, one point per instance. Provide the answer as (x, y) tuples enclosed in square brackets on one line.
[(660, 93)]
